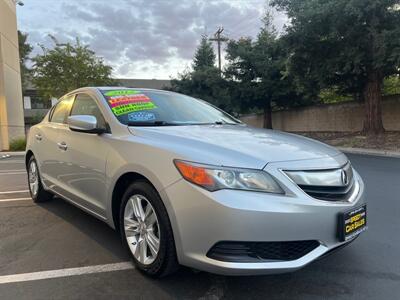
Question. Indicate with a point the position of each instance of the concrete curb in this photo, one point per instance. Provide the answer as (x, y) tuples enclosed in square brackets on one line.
[(9, 154), (375, 152)]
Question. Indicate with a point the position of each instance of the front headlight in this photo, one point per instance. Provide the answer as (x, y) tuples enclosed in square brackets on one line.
[(215, 178)]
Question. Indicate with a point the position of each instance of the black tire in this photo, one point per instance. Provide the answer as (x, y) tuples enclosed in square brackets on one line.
[(166, 262), (42, 195)]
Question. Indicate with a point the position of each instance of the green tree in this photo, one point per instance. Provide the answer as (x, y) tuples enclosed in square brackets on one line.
[(258, 70), (24, 50), (349, 44), (205, 84), (204, 80), (67, 67), (204, 56), (391, 85)]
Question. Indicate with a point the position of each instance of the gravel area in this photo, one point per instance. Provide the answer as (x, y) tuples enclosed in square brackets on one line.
[(388, 141)]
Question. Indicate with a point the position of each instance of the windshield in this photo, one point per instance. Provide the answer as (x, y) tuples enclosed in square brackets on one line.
[(135, 107)]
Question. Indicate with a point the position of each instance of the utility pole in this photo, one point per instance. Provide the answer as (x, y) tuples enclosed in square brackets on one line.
[(218, 38)]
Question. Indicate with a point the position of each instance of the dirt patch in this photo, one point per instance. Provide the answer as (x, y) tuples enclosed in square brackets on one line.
[(389, 141)]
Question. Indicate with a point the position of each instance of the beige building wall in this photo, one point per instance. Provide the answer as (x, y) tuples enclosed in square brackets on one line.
[(11, 108), (341, 117)]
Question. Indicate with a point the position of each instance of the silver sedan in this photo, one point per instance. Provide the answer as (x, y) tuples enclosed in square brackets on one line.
[(184, 183)]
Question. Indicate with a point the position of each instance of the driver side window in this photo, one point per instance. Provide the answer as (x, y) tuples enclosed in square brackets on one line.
[(86, 105), (61, 110)]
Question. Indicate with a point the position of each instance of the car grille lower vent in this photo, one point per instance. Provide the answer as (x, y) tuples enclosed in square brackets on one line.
[(261, 251)]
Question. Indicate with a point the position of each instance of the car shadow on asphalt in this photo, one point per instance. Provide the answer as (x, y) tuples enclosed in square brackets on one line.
[(93, 228)]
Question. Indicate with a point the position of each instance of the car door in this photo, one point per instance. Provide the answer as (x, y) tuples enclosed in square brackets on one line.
[(46, 137), (84, 159)]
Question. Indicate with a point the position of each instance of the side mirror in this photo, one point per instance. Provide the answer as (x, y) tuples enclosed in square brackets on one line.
[(84, 123)]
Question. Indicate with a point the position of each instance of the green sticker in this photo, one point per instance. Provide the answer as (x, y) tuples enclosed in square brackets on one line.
[(132, 107), (121, 93)]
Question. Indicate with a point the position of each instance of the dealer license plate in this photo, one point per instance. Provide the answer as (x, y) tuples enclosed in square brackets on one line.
[(352, 223)]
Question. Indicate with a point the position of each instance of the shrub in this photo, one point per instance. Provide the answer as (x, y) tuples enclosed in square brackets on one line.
[(18, 144)]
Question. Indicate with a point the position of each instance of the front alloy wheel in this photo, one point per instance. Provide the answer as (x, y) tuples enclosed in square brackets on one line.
[(142, 229), (146, 229)]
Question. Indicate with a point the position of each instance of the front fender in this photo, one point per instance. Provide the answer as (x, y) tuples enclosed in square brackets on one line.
[(156, 166)]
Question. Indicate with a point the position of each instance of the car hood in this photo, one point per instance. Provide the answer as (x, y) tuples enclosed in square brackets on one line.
[(234, 145)]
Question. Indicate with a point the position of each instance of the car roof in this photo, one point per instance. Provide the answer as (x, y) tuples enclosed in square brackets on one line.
[(102, 88)]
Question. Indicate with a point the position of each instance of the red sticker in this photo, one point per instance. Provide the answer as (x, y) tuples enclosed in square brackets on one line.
[(123, 100)]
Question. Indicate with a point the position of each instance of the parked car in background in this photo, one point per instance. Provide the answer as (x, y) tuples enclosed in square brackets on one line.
[(187, 184)]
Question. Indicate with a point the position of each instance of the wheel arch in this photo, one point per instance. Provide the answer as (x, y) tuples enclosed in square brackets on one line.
[(28, 156), (119, 189), (121, 178)]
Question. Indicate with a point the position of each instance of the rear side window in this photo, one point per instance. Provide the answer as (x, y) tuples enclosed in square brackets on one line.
[(86, 105), (61, 111)]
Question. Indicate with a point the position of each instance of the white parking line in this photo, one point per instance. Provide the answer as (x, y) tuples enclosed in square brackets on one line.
[(14, 192), (18, 170), (65, 272), (13, 173), (15, 199)]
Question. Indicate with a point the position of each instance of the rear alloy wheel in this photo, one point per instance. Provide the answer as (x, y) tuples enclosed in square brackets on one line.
[(33, 178), (38, 193), (146, 230)]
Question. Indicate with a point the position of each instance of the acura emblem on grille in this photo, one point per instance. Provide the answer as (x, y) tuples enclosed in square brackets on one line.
[(345, 178)]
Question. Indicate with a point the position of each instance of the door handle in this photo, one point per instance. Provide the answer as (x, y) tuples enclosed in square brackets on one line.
[(38, 137), (62, 146)]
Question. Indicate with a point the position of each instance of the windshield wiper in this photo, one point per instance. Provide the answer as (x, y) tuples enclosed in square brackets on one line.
[(223, 122), (153, 123)]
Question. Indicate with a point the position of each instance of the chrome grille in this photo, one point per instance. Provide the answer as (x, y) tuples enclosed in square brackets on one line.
[(330, 185)]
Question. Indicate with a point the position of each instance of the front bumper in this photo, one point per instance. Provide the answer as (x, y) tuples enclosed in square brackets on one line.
[(200, 219)]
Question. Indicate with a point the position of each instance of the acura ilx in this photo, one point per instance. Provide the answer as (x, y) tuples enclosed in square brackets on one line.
[(185, 183)]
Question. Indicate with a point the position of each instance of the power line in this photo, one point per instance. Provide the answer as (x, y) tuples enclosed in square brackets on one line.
[(218, 38)]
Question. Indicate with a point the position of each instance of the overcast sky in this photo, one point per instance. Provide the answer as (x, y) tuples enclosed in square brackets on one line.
[(140, 38)]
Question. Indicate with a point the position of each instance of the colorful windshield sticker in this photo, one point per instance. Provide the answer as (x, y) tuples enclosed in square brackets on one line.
[(141, 116), (132, 107), (123, 104), (121, 93), (122, 100)]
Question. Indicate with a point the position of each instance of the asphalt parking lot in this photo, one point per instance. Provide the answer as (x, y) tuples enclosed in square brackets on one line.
[(78, 256)]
